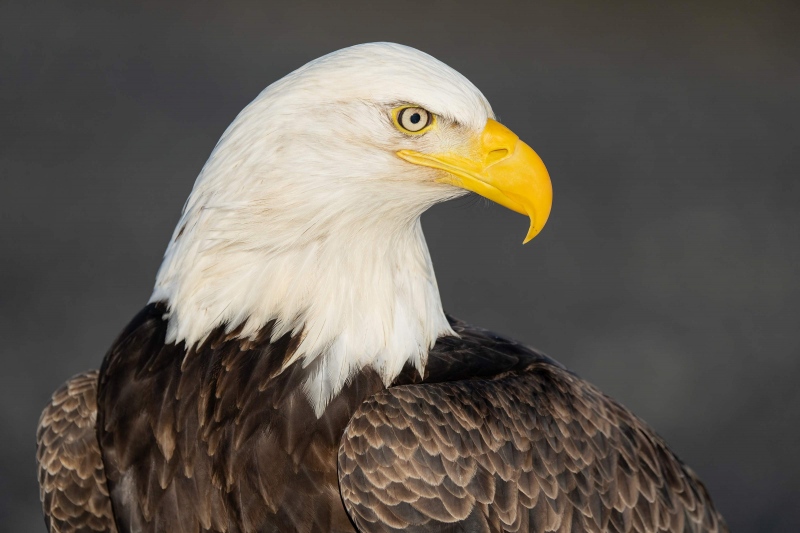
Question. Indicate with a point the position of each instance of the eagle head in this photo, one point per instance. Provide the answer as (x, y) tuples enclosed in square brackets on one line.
[(306, 216)]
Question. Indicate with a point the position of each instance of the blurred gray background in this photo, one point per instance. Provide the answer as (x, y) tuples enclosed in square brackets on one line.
[(667, 275)]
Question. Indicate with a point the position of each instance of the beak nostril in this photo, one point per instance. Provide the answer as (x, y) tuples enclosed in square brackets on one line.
[(496, 155)]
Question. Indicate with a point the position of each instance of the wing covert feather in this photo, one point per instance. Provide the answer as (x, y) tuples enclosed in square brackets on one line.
[(533, 449), (72, 482)]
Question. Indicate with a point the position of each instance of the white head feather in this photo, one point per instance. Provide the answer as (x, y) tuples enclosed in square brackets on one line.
[(305, 216)]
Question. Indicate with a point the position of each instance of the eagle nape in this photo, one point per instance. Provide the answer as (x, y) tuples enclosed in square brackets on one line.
[(294, 370)]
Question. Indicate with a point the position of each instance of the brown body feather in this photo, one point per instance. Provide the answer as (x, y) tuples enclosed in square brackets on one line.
[(494, 437)]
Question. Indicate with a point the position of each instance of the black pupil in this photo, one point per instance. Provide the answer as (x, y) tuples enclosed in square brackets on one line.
[(415, 118)]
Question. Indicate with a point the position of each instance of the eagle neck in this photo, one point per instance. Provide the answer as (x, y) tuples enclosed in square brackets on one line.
[(361, 294)]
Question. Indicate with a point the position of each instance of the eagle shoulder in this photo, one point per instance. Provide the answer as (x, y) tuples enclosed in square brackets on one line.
[(72, 480), (519, 444)]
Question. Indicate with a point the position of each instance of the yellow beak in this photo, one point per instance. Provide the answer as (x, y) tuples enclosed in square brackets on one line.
[(501, 168)]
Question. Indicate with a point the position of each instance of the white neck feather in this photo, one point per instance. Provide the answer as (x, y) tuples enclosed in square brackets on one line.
[(358, 299)]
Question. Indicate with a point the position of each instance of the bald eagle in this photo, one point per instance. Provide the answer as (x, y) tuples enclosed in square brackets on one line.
[(294, 369)]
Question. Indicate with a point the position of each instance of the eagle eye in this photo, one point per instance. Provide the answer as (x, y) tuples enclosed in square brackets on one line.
[(413, 120)]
